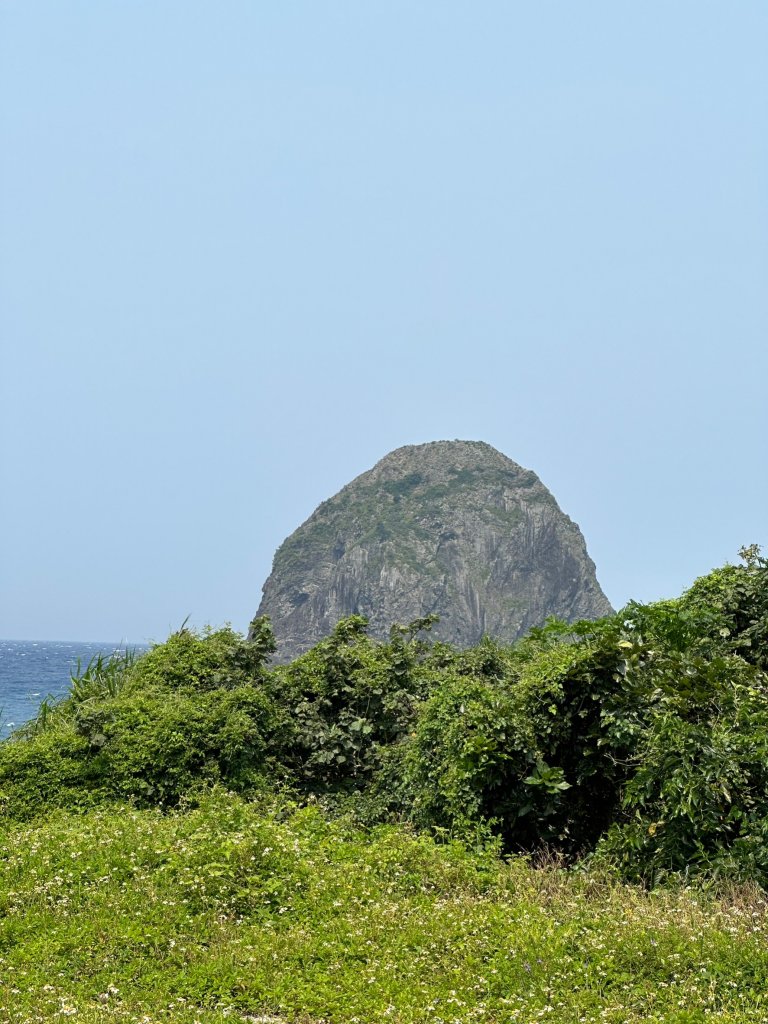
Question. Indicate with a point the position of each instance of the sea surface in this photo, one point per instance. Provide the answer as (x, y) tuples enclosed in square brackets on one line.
[(31, 671)]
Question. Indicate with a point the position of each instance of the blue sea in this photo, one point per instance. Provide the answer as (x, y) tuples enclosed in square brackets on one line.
[(31, 671)]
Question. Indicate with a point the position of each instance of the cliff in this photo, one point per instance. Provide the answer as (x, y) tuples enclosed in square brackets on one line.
[(450, 527)]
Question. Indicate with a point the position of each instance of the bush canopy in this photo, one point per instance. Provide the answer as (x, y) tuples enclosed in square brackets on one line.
[(639, 740)]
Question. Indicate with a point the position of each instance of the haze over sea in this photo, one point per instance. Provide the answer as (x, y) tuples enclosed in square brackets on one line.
[(31, 671)]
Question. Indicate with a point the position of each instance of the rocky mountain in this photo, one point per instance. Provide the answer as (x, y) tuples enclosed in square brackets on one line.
[(451, 527)]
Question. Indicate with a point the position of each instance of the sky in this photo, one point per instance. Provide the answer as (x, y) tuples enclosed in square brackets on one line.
[(247, 249)]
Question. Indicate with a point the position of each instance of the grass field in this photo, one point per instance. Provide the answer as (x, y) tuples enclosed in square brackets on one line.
[(232, 911)]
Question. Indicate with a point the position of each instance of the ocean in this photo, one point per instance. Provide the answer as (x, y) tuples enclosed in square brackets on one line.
[(30, 671)]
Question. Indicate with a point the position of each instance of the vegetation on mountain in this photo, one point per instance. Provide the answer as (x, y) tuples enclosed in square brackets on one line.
[(570, 828)]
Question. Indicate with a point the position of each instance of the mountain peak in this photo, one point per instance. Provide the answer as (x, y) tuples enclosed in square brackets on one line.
[(454, 528)]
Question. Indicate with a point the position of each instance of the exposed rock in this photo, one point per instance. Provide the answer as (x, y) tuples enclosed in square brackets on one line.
[(451, 527)]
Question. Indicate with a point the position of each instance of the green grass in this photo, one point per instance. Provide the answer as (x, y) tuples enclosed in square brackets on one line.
[(233, 911)]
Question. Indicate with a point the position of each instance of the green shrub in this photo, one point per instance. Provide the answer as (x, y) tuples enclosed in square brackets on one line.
[(518, 743), (348, 699), (190, 712), (641, 739), (697, 800), (730, 606)]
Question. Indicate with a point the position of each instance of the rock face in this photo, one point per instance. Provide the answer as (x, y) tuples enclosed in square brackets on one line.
[(451, 527)]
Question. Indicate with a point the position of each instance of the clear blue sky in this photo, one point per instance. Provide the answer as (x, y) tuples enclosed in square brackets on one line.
[(246, 249)]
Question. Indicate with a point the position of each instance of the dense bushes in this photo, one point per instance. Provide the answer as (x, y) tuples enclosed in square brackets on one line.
[(641, 739), (348, 699), (192, 711)]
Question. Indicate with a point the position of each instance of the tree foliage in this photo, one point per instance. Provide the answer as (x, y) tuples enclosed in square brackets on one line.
[(640, 740)]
